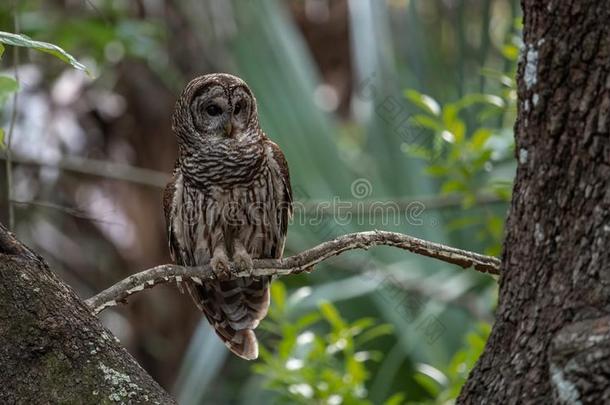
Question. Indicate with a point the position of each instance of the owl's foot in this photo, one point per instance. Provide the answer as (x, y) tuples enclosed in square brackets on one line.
[(242, 259), (221, 266)]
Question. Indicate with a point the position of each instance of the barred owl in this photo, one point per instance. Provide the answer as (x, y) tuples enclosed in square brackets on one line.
[(229, 201)]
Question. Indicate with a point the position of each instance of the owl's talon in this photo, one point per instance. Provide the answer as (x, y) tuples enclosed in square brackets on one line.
[(221, 267), (243, 262), (242, 259)]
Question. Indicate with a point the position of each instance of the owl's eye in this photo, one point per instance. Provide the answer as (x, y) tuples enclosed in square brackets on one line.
[(237, 109), (213, 110)]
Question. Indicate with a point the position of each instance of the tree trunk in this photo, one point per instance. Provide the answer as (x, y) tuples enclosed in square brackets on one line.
[(52, 349), (551, 339)]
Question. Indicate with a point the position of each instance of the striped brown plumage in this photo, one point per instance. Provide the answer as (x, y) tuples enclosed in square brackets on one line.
[(229, 200)]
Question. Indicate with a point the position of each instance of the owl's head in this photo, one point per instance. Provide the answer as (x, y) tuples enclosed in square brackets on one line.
[(215, 108)]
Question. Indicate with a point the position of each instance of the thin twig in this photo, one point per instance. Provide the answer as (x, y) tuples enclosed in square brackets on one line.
[(303, 261), (97, 11), (73, 212), (99, 168), (9, 135)]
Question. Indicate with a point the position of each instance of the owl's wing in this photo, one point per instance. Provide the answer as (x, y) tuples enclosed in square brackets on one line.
[(282, 173), (168, 201)]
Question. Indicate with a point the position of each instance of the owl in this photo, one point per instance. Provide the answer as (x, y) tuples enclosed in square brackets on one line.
[(229, 200)]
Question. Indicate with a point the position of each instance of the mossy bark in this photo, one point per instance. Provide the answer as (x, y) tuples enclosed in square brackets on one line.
[(551, 339), (52, 348)]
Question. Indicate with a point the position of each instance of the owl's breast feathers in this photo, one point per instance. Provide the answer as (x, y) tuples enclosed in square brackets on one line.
[(254, 210), (263, 194)]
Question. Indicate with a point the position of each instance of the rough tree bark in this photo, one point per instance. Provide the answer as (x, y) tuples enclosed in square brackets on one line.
[(551, 338), (52, 348)]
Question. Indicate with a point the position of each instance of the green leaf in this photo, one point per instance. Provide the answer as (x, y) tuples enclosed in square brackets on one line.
[(452, 121), (458, 130), (361, 324), (2, 145), (428, 383), (483, 158), (437, 170), (26, 42), (510, 52), (332, 315), (489, 112), (478, 98), (452, 186), (1, 50), (307, 320), (479, 138), (423, 101), (426, 122), (278, 295), (288, 342), (356, 370), (8, 85), (374, 333), (396, 399), (518, 23)]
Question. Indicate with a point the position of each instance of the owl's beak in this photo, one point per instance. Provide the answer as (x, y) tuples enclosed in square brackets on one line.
[(228, 128)]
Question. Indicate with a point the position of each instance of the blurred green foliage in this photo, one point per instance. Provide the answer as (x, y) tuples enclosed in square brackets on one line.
[(319, 357), (465, 147), (455, 374), (325, 367), (462, 157)]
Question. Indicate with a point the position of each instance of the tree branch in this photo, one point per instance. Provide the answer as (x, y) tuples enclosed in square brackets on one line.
[(99, 168), (294, 264), (152, 178)]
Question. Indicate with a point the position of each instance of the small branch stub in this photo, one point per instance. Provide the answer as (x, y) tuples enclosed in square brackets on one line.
[(294, 264)]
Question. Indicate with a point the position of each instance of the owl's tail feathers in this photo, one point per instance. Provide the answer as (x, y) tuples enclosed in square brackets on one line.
[(234, 308), (244, 344)]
